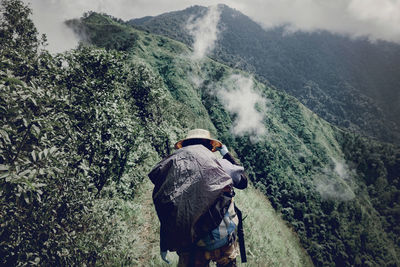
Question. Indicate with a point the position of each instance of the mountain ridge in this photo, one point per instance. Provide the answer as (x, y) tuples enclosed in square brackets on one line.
[(331, 63)]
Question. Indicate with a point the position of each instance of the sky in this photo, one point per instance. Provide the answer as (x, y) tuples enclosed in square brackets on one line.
[(375, 19)]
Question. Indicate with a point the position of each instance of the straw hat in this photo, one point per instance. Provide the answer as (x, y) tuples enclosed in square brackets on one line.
[(199, 134)]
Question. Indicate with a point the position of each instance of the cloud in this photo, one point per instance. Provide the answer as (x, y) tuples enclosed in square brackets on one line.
[(382, 17), (236, 92), (375, 19), (335, 182), (239, 98), (204, 31), (49, 17)]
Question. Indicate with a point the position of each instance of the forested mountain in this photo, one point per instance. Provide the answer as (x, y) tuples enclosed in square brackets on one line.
[(80, 131), (352, 83)]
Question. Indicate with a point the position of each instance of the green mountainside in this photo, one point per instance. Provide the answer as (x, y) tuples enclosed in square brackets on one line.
[(322, 179), (80, 131), (352, 83)]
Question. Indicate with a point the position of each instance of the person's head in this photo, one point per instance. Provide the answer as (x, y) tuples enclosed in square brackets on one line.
[(198, 141), (199, 137)]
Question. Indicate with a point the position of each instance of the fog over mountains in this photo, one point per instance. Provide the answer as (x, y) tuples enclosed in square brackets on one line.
[(353, 83)]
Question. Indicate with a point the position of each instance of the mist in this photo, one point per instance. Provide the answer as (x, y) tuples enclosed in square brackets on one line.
[(204, 31), (236, 92), (373, 19), (239, 97), (335, 182), (49, 17)]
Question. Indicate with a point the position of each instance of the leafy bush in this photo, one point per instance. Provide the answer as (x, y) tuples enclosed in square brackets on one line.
[(70, 126)]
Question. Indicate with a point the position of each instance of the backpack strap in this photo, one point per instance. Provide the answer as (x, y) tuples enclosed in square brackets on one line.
[(240, 234)]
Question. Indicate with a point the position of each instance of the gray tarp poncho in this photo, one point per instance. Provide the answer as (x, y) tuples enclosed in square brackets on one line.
[(188, 186)]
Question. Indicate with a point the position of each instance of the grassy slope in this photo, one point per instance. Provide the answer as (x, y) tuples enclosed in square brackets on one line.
[(270, 242)]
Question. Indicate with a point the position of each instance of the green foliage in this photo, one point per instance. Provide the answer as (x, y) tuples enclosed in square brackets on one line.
[(19, 43), (39, 205), (379, 166), (95, 84), (17, 32), (71, 126)]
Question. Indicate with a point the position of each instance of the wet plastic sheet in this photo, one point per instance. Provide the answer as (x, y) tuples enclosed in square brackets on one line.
[(187, 184)]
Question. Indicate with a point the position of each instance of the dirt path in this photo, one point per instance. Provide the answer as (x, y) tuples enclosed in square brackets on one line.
[(147, 242)]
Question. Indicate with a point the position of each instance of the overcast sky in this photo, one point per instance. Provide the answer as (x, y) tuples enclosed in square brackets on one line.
[(376, 19)]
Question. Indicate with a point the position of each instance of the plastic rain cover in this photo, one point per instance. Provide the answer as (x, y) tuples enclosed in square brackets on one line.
[(187, 184)]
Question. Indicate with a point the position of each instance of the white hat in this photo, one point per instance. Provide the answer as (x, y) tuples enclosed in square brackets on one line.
[(199, 134)]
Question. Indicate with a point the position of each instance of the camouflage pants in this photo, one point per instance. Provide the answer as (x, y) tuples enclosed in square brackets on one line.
[(224, 256)]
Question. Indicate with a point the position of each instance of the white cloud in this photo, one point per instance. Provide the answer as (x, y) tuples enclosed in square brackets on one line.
[(239, 97), (376, 19), (236, 92), (204, 31), (49, 17)]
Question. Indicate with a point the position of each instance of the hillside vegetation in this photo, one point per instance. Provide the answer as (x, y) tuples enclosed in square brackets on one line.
[(322, 179), (81, 130), (352, 83)]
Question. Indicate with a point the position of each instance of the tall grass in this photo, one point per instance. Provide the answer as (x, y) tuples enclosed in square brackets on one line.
[(269, 241)]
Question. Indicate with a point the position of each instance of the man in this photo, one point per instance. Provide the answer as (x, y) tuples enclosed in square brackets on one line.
[(193, 191)]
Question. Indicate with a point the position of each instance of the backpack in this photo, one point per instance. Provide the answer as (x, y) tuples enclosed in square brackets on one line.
[(223, 234), (189, 196)]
